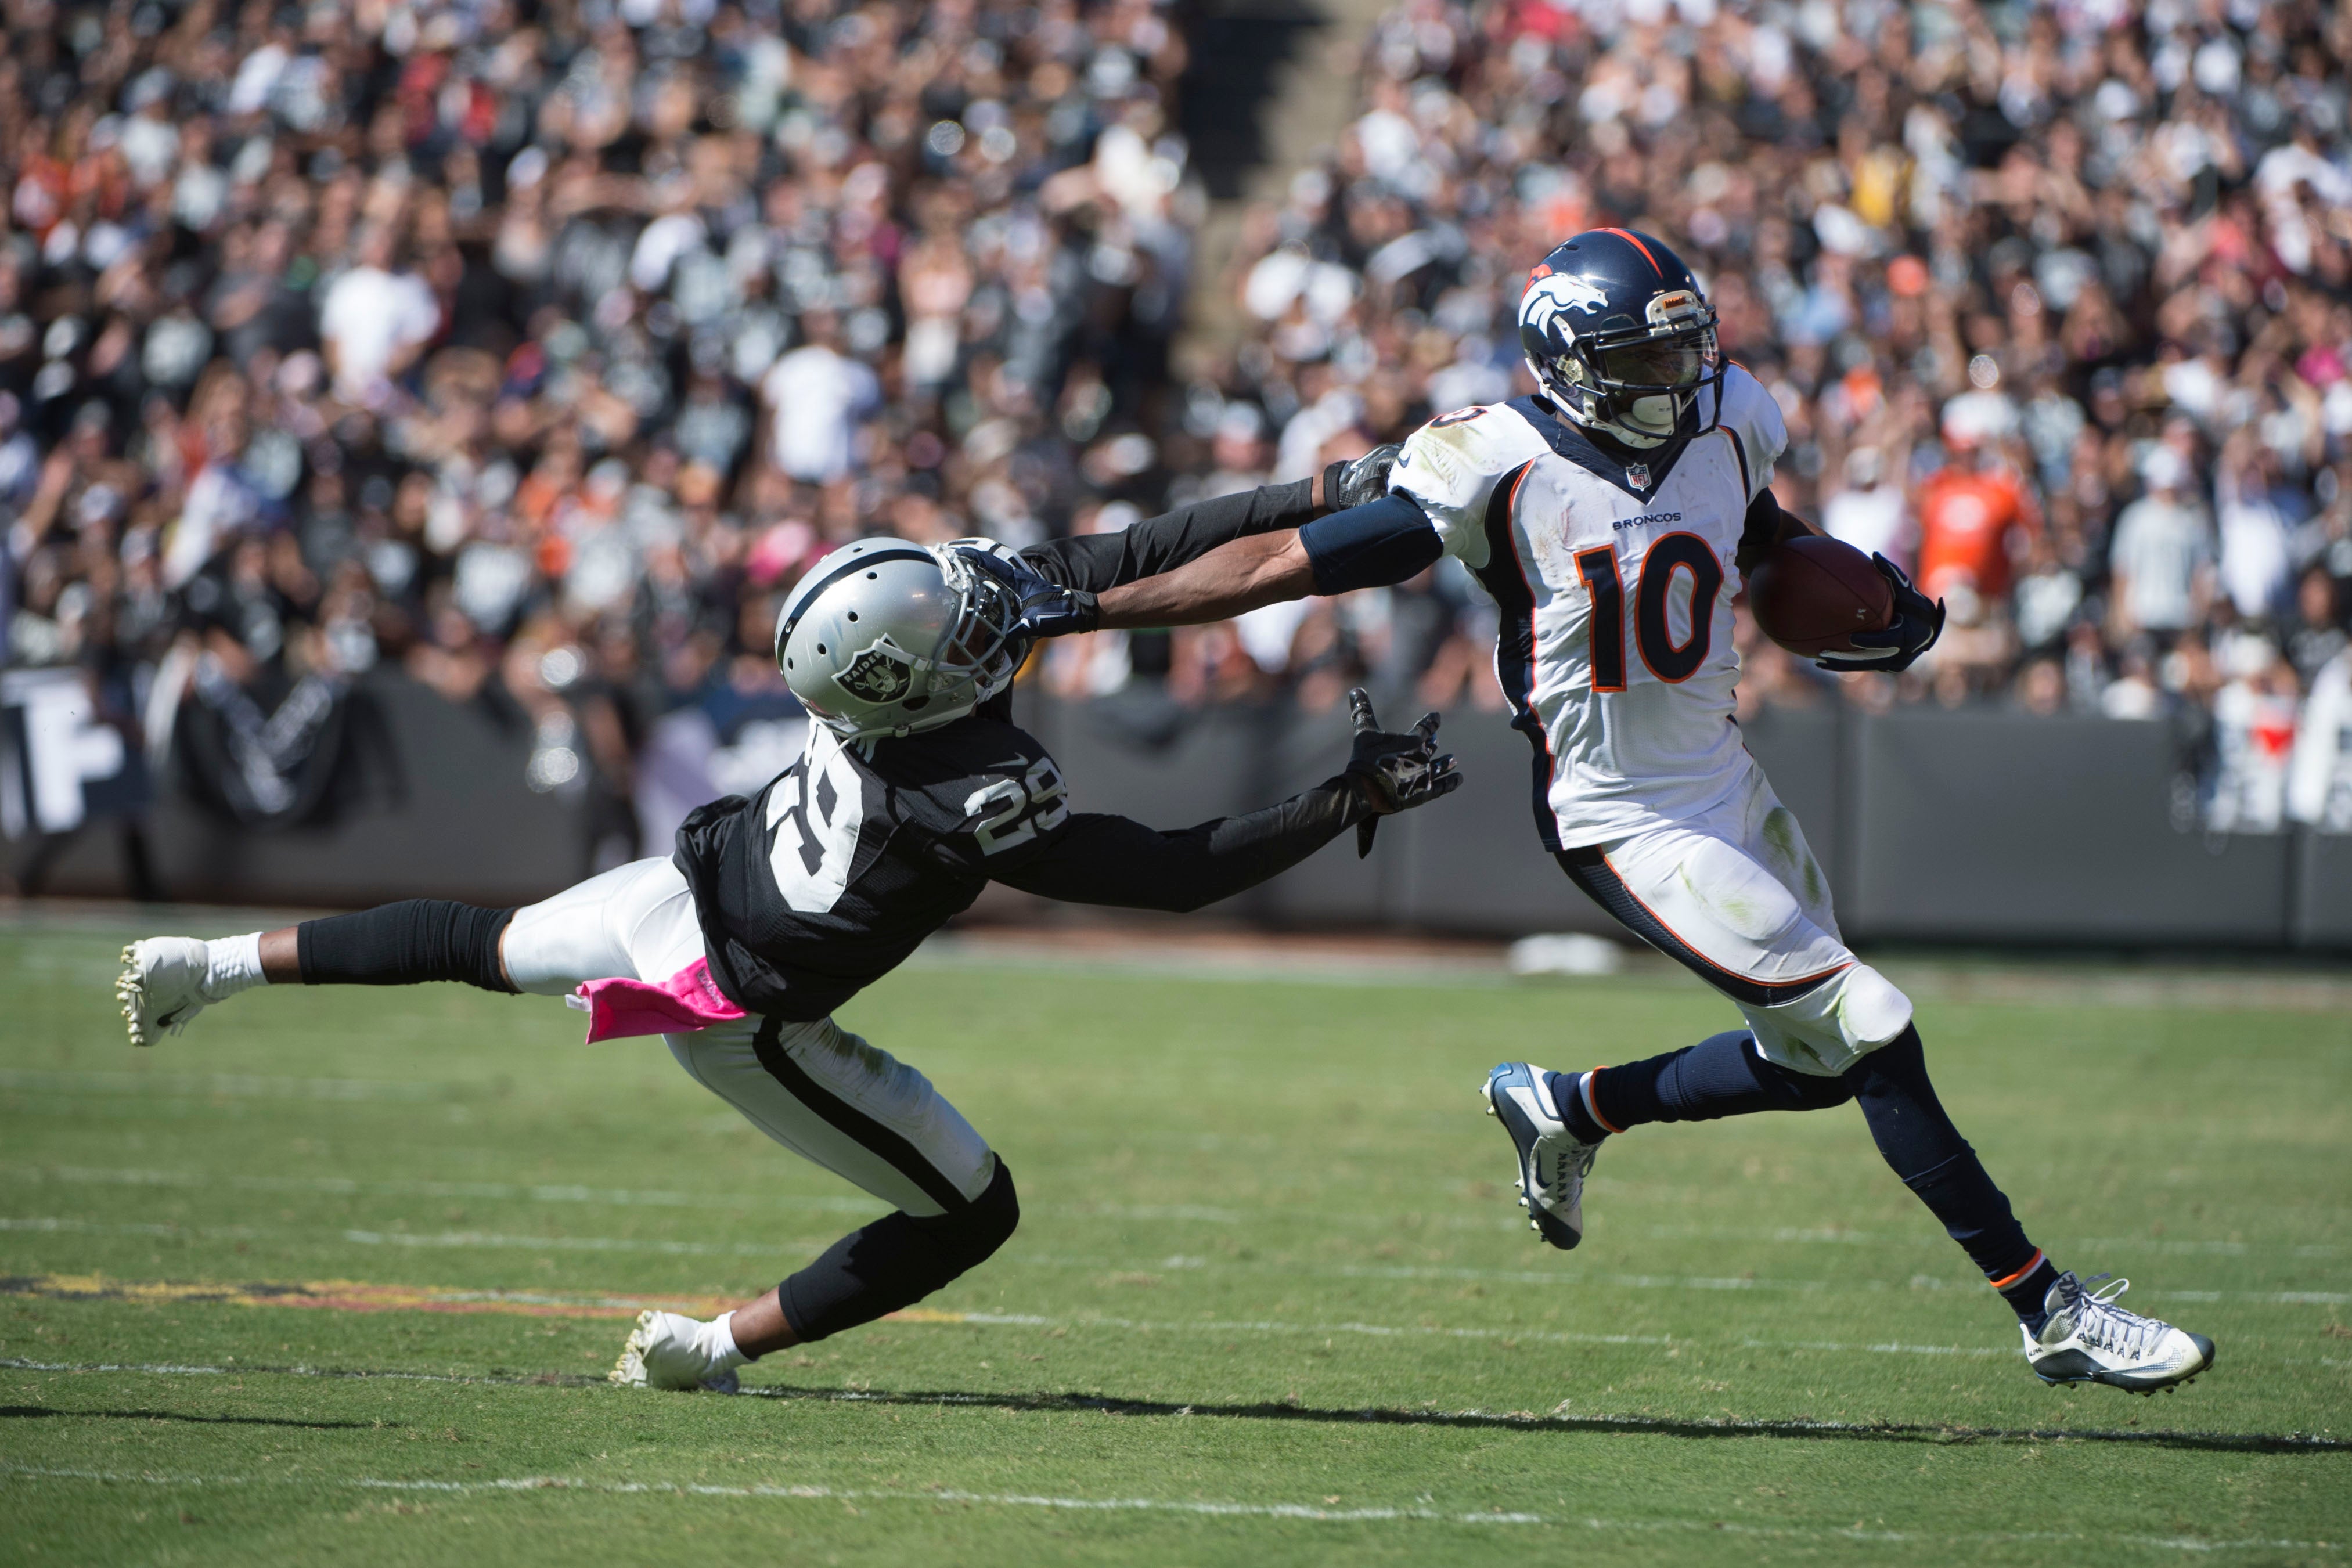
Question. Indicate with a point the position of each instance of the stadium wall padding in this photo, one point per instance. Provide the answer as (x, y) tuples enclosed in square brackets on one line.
[(1987, 827), (440, 809)]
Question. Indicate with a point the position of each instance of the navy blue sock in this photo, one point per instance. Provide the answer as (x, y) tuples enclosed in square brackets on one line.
[(1722, 1075), (1919, 1142)]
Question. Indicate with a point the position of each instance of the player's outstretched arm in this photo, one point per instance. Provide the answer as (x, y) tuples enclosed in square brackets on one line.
[(1377, 544), (1120, 862), (1059, 583)]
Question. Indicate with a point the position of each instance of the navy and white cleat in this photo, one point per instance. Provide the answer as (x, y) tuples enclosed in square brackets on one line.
[(2089, 1339), (1553, 1162)]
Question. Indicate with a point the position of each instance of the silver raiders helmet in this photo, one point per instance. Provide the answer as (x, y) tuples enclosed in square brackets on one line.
[(883, 637)]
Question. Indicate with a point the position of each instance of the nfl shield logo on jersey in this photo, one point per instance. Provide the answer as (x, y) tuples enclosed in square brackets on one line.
[(1638, 475), (879, 675)]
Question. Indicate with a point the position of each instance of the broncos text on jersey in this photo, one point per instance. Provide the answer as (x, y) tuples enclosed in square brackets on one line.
[(1615, 578)]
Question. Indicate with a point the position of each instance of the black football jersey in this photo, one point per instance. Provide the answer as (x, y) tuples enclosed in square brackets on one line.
[(824, 881)]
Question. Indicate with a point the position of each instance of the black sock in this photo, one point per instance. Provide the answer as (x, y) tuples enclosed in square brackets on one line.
[(895, 1262), (1919, 1142), (405, 944)]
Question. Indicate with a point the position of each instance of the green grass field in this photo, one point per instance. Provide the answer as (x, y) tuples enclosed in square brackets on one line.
[(1271, 1301)]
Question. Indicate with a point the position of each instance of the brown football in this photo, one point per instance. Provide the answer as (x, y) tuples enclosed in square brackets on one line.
[(1811, 594)]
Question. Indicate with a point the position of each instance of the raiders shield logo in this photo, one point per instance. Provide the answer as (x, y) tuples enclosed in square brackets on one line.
[(1638, 475), (880, 675)]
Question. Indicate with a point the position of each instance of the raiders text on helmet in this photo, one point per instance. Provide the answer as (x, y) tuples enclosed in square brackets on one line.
[(1619, 335), (883, 637)]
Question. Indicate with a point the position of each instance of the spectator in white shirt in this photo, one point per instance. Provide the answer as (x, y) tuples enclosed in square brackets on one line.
[(2254, 721), (374, 321), (2257, 535), (2319, 775), (815, 396), (1870, 514), (2162, 560)]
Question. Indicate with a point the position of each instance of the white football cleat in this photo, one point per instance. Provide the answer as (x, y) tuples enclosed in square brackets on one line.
[(2089, 1339), (1553, 1162), (162, 985), (666, 1350)]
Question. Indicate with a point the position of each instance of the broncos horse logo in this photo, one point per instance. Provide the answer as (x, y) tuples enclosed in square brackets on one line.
[(1550, 296)]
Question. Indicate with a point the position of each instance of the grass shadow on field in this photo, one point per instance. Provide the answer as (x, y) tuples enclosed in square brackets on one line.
[(46, 1412), (1645, 1426)]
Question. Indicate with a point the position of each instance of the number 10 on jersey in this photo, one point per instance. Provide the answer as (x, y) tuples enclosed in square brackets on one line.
[(1653, 636)]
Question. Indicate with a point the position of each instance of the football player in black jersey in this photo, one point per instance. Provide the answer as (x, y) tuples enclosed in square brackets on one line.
[(916, 790)]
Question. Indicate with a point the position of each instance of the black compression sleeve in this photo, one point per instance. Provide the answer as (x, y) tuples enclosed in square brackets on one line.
[(405, 944), (897, 1261), (1371, 546), (1765, 521), (1119, 862), (1098, 562)]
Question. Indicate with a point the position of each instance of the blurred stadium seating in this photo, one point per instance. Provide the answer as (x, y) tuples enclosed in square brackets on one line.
[(351, 349)]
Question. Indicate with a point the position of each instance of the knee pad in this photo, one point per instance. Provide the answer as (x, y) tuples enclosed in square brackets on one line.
[(1871, 1012), (971, 1236)]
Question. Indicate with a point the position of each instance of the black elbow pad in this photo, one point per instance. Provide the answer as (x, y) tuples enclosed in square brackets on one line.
[(1371, 546)]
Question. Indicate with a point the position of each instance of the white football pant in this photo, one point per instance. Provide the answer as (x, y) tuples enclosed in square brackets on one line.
[(1736, 897), (815, 1088)]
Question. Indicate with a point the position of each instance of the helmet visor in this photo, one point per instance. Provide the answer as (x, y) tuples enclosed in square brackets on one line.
[(1677, 363)]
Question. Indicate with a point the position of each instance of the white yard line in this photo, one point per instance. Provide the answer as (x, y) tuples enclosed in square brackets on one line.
[(630, 1198), (223, 1085), (560, 1192), (1507, 1337), (1197, 1508), (771, 1247)]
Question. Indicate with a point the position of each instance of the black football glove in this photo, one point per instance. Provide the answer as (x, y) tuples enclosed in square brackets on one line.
[(1394, 772), (1919, 621), (1359, 479), (1047, 609)]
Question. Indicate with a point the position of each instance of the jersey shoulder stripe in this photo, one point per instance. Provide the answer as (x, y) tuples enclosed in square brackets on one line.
[(1505, 578)]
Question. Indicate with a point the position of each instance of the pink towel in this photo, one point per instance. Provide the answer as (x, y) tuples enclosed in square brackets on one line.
[(687, 1002)]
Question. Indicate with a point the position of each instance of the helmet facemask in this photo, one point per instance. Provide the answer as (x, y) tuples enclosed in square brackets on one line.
[(979, 644)]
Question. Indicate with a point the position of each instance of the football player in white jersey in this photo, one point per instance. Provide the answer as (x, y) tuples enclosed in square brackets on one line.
[(1614, 517)]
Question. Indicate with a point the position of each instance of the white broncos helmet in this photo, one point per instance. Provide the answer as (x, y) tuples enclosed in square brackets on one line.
[(883, 637)]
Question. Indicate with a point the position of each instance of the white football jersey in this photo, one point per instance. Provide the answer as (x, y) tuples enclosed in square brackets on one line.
[(1615, 581)]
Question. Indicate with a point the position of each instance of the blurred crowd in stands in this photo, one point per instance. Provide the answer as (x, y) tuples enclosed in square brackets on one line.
[(2056, 299), (535, 346)]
